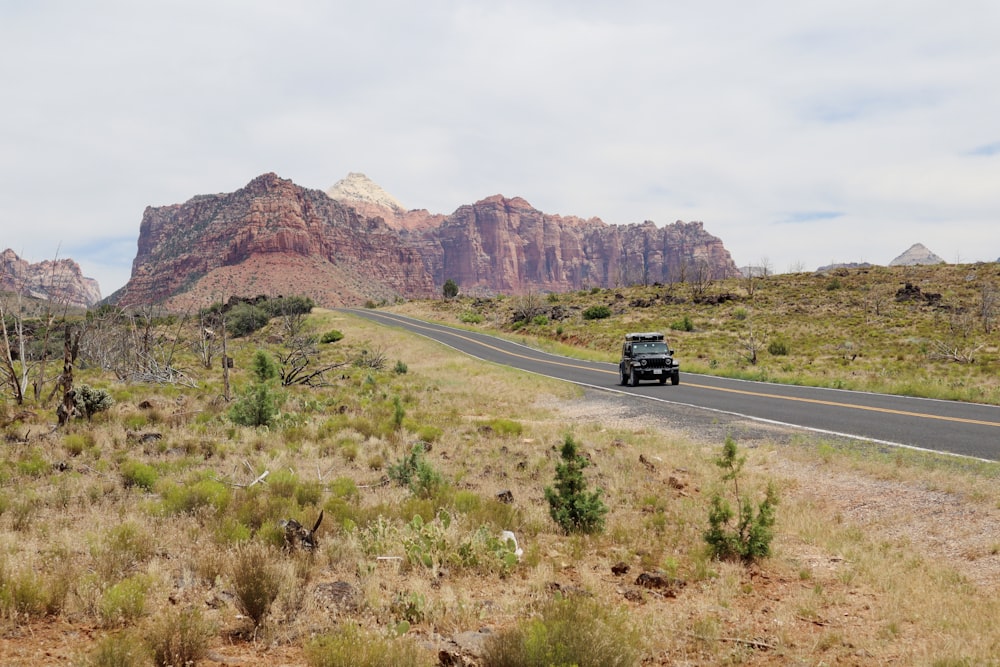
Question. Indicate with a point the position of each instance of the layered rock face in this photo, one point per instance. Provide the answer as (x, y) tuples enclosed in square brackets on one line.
[(505, 245), (274, 237), (271, 237), (58, 280)]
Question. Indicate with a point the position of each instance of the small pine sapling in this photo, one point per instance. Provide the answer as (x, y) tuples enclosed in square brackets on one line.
[(570, 504), (750, 539)]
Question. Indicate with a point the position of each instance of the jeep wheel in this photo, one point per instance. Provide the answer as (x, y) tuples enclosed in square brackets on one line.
[(675, 378), (635, 378), (663, 379), (622, 378)]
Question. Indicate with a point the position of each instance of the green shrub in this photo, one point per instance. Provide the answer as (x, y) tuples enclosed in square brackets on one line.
[(90, 401), (578, 632), (138, 474), (351, 646), (596, 313), (750, 538), (121, 649), (683, 324), (76, 443), (32, 464), (256, 581), (400, 368), (469, 317), (256, 406), (429, 433), (331, 336), (450, 289), (32, 594), (245, 318), (540, 320), (505, 427), (188, 498), (778, 347), (179, 638), (570, 504), (398, 413), (264, 367), (414, 472), (122, 549), (125, 602)]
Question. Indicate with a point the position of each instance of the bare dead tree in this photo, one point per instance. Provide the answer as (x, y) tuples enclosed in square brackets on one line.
[(876, 302), (701, 279), (959, 345), (988, 305), (751, 342), (14, 369), (527, 306)]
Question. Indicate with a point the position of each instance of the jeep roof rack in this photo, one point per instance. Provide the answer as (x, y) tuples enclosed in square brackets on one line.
[(649, 335)]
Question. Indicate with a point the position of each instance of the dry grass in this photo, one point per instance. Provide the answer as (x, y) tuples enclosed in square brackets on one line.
[(842, 329), (879, 557)]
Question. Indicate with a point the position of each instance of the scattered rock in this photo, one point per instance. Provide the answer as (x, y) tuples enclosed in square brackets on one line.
[(658, 581), (506, 496), (620, 568), (338, 594)]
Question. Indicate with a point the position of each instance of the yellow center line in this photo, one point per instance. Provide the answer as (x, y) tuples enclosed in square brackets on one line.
[(744, 392)]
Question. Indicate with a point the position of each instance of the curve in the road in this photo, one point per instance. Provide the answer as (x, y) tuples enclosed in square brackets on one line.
[(944, 426)]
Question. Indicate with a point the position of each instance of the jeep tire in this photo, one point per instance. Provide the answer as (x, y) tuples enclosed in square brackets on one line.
[(675, 378)]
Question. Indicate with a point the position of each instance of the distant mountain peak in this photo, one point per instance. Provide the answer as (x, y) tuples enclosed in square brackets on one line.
[(916, 254), (357, 187)]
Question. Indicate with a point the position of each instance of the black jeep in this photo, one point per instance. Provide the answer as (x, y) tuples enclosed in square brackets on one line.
[(646, 356)]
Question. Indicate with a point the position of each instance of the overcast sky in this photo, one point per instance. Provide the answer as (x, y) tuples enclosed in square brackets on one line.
[(800, 133)]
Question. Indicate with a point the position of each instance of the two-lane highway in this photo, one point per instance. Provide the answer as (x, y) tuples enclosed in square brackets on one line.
[(967, 429)]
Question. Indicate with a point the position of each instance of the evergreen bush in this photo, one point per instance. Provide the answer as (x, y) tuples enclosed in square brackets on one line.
[(749, 539), (574, 508), (596, 313)]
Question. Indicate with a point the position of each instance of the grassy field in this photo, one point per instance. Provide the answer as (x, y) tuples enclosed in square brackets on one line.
[(853, 329), (154, 533)]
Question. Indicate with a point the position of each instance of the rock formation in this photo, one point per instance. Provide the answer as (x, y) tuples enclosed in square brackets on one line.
[(916, 254), (271, 237), (274, 237), (505, 245), (370, 200), (58, 280)]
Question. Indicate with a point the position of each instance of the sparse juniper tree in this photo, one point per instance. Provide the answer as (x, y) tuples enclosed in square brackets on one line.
[(450, 289), (258, 404), (574, 508), (750, 538)]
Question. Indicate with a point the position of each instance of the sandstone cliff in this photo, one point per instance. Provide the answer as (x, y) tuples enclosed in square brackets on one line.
[(274, 237), (271, 237), (506, 245), (58, 280)]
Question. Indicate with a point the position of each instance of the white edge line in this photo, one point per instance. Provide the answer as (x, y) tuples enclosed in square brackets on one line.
[(611, 390)]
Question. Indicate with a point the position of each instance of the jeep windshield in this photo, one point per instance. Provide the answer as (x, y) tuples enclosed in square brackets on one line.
[(649, 348)]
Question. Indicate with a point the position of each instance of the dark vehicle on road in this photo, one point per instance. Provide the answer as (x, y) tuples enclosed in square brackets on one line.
[(646, 356)]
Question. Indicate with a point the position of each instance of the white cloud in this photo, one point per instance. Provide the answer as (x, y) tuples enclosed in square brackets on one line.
[(871, 125)]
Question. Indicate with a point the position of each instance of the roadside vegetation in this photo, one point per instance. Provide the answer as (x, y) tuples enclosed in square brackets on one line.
[(930, 331), (441, 496)]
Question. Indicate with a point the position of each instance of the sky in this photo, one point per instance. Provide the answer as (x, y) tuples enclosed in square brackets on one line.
[(799, 133)]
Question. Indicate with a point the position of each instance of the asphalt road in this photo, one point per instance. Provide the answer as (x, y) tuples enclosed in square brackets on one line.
[(966, 429)]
